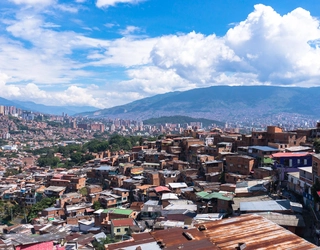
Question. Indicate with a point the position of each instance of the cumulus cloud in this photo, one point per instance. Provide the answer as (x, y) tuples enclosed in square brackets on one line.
[(107, 3), (126, 52), (193, 56), (152, 79), (264, 49), (73, 95), (277, 48)]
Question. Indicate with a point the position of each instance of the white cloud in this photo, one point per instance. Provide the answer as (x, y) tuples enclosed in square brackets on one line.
[(193, 56), (126, 52), (33, 2), (107, 3), (149, 80), (109, 25), (129, 30), (50, 25), (50, 51), (277, 47), (67, 8), (264, 49), (73, 95)]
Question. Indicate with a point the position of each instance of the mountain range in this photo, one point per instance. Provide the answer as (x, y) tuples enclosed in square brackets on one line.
[(53, 110), (221, 103)]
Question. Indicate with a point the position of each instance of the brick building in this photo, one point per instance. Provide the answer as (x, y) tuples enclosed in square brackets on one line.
[(276, 135), (241, 164)]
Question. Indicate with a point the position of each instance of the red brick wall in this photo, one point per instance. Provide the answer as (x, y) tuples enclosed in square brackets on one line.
[(238, 164)]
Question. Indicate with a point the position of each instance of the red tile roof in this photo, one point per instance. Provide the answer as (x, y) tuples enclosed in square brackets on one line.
[(291, 154), (122, 222), (161, 189), (57, 176)]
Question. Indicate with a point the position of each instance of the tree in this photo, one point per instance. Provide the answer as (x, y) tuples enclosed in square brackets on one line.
[(48, 161), (9, 210), (11, 172), (38, 207), (97, 205), (83, 191), (96, 146), (76, 157), (222, 177), (99, 244), (316, 146), (141, 141)]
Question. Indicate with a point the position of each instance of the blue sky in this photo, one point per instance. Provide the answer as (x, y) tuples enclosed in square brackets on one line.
[(110, 52)]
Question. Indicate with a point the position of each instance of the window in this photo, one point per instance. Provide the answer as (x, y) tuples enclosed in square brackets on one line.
[(126, 229), (298, 161), (118, 230), (290, 163), (305, 162)]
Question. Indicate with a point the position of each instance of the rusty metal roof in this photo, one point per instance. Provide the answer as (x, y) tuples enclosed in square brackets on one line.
[(255, 231), (174, 238), (136, 240)]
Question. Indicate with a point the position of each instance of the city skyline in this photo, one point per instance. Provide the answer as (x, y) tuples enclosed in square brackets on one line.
[(108, 52)]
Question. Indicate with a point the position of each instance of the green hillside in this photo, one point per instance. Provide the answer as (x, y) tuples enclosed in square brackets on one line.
[(181, 120)]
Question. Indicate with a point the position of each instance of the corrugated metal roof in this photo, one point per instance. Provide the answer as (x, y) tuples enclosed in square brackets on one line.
[(173, 238), (215, 195), (272, 205), (256, 232), (264, 148), (294, 220), (169, 196), (118, 211), (178, 185)]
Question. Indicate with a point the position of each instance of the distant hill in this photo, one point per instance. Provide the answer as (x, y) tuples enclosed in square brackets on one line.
[(53, 110), (221, 103), (6, 102), (181, 120)]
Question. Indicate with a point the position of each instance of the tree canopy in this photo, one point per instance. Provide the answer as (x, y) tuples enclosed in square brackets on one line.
[(316, 145), (39, 206)]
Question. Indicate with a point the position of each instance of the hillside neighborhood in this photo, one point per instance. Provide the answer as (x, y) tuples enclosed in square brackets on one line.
[(75, 183)]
